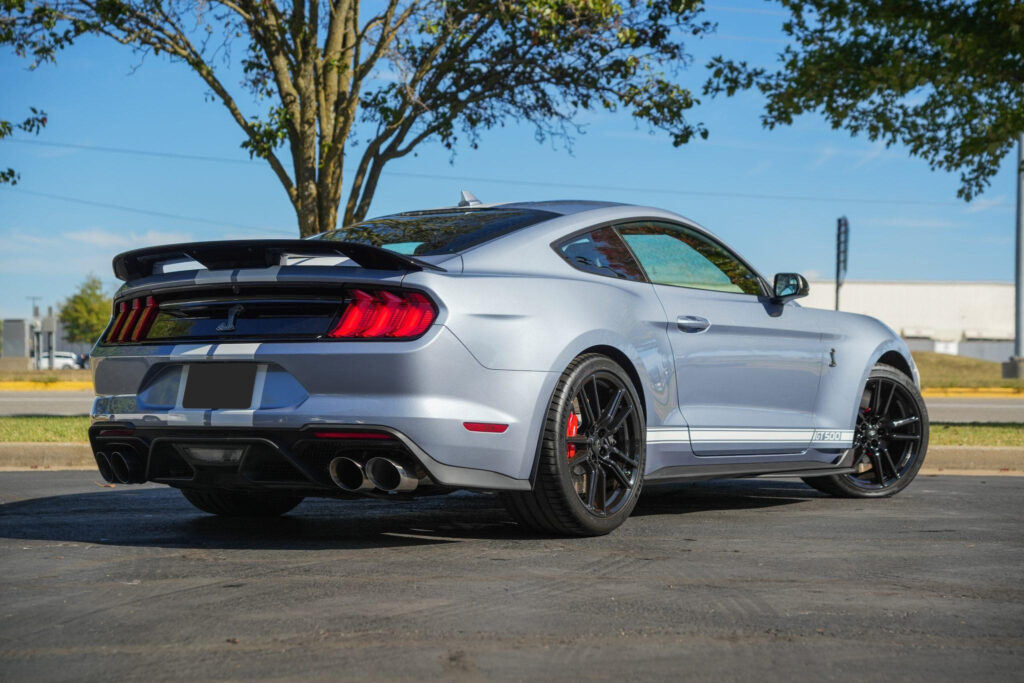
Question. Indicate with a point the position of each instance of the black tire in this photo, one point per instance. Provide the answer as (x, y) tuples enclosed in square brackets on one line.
[(616, 449), (873, 449), (235, 504)]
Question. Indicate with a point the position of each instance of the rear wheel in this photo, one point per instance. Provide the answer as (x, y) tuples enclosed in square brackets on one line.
[(235, 504), (890, 440), (592, 453)]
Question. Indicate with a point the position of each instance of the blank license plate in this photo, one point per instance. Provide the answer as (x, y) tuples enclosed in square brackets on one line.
[(212, 386)]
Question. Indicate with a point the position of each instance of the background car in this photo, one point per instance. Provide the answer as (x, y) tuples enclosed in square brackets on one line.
[(62, 360), (564, 354)]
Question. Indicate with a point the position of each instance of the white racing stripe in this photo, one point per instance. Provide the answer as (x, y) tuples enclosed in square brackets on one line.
[(839, 438), (231, 418), (257, 274), (235, 351), (668, 435), (191, 350), (190, 418)]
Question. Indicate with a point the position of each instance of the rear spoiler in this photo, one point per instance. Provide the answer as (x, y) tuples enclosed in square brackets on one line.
[(231, 254)]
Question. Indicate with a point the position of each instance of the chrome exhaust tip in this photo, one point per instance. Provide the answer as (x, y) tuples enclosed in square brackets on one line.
[(103, 464), (349, 475), (388, 475), (126, 468)]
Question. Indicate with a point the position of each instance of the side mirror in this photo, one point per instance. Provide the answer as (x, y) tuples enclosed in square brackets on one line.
[(789, 286)]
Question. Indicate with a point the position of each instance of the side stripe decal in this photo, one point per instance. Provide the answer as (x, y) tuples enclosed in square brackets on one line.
[(836, 437)]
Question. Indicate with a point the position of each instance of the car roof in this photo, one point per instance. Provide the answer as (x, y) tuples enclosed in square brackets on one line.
[(563, 207)]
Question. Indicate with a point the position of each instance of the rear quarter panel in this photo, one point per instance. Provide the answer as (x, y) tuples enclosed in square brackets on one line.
[(531, 322)]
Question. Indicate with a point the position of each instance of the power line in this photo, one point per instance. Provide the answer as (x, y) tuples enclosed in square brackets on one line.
[(134, 152), (144, 212), (528, 183)]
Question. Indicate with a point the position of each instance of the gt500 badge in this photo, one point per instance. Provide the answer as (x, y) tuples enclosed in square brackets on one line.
[(828, 436)]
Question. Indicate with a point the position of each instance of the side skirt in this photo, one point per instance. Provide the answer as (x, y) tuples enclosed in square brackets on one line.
[(671, 475)]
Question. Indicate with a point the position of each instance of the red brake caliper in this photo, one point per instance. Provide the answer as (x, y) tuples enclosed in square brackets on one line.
[(572, 430)]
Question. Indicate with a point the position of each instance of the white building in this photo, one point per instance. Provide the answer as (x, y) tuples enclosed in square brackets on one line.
[(964, 318)]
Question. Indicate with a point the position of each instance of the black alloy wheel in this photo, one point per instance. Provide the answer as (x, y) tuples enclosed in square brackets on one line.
[(592, 453), (890, 439), (602, 435)]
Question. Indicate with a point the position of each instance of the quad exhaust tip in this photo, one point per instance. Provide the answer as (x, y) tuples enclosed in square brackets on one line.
[(388, 475), (125, 467), (349, 475), (106, 471)]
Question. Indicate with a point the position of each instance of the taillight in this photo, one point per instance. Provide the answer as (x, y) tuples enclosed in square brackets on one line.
[(394, 315), (133, 320), (122, 311), (146, 319)]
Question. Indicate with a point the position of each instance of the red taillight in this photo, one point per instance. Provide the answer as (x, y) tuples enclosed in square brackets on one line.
[(122, 311), (148, 315), (353, 435), (129, 323), (417, 318), (486, 427), (384, 314), (133, 320), (388, 309)]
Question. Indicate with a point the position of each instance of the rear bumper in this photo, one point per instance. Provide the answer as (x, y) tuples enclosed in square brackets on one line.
[(296, 461), (421, 391)]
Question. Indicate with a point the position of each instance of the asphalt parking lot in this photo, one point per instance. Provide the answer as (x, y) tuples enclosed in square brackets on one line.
[(742, 580)]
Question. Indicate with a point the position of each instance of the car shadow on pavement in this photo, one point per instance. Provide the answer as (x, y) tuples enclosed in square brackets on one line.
[(160, 517), (728, 494)]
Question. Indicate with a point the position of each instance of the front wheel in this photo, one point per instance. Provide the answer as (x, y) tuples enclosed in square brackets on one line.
[(235, 504), (890, 440), (591, 461)]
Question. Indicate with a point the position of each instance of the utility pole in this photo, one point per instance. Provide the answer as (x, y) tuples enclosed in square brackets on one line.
[(1015, 367), (842, 245), (35, 306)]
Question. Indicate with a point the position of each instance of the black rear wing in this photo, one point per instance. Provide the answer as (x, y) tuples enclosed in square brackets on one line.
[(231, 254)]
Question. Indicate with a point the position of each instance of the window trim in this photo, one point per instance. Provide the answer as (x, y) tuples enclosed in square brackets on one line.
[(558, 244), (616, 224)]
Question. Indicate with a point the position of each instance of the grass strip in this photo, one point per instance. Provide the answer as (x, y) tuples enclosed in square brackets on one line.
[(44, 429), (940, 370)]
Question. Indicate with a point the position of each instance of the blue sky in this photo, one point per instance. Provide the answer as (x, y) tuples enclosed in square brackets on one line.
[(788, 186)]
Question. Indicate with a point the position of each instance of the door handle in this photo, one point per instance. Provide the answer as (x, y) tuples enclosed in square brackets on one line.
[(692, 323)]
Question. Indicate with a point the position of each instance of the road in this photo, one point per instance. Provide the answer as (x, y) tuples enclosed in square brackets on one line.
[(743, 580), (975, 409), (940, 409), (45, 402)]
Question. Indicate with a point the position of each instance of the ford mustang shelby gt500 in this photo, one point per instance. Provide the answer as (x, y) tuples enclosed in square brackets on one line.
[(564, 354)]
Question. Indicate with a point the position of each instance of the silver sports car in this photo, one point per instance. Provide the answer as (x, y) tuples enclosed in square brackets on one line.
[(562, 353)]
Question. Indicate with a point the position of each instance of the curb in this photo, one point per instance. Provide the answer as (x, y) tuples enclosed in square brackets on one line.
[(973, 392), (939, 458), (46, 455), (46, 386)]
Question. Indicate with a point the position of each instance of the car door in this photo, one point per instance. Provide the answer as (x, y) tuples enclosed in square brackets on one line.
[(747, 369)]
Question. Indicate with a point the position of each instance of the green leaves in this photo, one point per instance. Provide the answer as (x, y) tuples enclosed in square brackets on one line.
[(943, 77), (406, 71), (267, 135), (33, 124), (85, 314)]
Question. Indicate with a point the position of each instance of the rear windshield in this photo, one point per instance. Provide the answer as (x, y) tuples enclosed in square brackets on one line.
[(437, 232)]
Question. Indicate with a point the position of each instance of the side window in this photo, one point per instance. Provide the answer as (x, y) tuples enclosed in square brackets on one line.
[(674, 255), (601, 252)]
